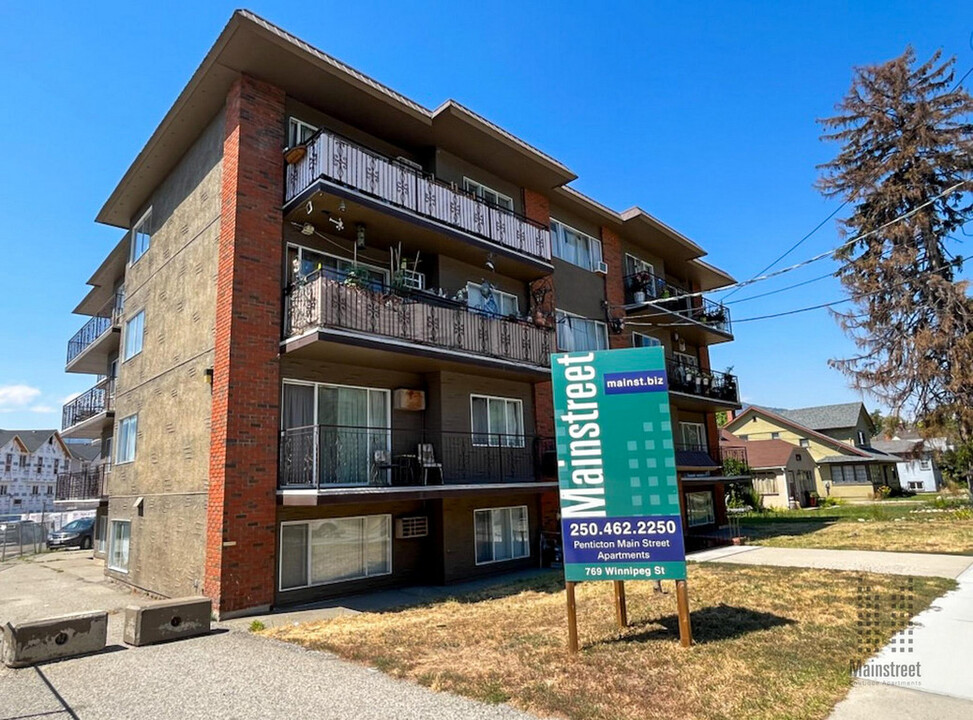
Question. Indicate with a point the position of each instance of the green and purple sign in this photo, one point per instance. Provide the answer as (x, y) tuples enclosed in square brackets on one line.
[(620, 517)]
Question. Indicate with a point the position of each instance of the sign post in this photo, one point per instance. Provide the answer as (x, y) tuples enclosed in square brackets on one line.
[(620, 510)]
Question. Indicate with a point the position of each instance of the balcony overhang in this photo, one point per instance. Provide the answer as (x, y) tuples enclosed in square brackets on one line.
[(90, 428), (93, 360), (387, 225), (695, 332), (105, 279), (354, 348), (701, 403), (333, 496)]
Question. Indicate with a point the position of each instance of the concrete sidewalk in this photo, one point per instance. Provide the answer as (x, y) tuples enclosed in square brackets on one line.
[(227, 674), (889, 563)]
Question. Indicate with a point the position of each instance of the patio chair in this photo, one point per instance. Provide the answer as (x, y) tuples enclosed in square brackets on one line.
[(427, 462), (381, 463)]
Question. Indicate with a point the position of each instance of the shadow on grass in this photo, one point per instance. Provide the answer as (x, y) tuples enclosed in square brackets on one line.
[(784, 527), (710, 624)]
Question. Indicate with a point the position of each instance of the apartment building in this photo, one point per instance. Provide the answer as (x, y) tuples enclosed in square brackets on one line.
[(30, 461), (324, 336)]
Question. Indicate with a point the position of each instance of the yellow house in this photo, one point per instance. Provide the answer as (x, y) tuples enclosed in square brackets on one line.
[(782, 473), (837, 437)]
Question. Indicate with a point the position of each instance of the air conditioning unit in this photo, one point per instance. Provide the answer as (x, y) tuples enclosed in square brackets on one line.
[(412, 279), (408, 528), (602, 267)]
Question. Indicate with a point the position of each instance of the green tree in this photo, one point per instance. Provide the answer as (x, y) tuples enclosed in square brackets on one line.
[(905, 141)]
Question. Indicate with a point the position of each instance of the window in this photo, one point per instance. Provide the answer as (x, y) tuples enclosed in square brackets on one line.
[(765, 484), (50, 490), (642, 340), (23, 461), (862, 439), (121, 531), (693, 435), (56, 463), (916, 485), (141, 237), (488, 194), (335, 550), (34, 490), (574, 246), (8, 462), (299, 132), (127, 431), (775, 436), (925, 465), (501, 534), (3, 489), (744, 437), (134, 331), (686, 359), (699, 509), (304, 261), (576, 333), (40, 465), (497, 421), (487, 298), (633, 266), (849, 474), (101, 534), (804, 442)]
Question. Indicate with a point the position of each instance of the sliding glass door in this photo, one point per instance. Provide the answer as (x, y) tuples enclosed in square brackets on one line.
[(337, 430)]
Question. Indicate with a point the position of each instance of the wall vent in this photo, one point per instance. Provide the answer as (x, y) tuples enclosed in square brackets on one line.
[(411, 527)]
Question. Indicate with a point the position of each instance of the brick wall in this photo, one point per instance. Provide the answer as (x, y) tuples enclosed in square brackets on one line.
[(611, 251), (538, 208), (240, 532)]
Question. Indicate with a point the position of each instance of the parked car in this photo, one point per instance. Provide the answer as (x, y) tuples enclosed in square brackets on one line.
[(77, 533)]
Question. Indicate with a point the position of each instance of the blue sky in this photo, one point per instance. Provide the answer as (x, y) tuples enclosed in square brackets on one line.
[(703, 114)]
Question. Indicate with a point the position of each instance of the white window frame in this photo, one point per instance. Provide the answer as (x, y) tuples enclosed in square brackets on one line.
[(804, 443), (560, 315), (112, 539), (652, 341), (294, 127), (128, 352), (127, 426), (710, 518), (593, 249), (510, 297), (481, 191), (137, 251), (491, 511), (307, 570), (515, 440), (686, 359), (301, 249), (701, 428)]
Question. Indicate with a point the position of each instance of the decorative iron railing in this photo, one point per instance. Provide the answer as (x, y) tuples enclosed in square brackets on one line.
[(82, 485), (644, 287), (422, 318), (323, 456), (98, 325), (96, 400), (344, 162), (690, 379)]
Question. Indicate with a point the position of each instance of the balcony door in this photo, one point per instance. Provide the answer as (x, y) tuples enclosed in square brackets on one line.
[(334, 430)]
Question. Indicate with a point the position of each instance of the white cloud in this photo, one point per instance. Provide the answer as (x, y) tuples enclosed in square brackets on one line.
[(43, 409), (15, 397)]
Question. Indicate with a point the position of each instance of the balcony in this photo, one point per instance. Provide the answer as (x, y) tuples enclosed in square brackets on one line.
[(700, 389), (409, 330), (90, 413), (353, 459), (83, 485), (699, 320), (337, 166), (729, 462), (93, 344)]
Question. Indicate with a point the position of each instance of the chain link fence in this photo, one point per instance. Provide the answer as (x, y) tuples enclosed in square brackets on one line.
[(24, 537)]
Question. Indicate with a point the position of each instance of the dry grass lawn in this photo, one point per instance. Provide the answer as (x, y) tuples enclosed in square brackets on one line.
[(932, 533), (770, 643)]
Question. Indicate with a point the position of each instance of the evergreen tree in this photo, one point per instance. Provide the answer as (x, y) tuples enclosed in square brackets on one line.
[(905, 139)]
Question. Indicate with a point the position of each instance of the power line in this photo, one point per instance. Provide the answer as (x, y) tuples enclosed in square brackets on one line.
[(780, 290)]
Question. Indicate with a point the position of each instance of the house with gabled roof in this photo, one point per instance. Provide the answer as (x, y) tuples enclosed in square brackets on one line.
[(837, 437), (30, 461), (781, 472)]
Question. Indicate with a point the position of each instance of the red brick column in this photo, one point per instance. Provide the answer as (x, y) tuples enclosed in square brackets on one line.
[(241, 513), (611, 252), (538, 208)]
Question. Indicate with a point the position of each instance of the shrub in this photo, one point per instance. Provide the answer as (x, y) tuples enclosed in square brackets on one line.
[(257, 626), (883, 492), (830, 501)]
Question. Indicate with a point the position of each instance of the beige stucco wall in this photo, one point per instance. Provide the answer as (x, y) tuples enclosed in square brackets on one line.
[(174, 282)]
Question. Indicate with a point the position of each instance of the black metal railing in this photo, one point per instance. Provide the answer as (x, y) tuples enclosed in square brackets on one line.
[(86, 484), (95, 401), (106, 318), (327, 456), (692, 380), (644, 288), (347, 163), (418, 317)]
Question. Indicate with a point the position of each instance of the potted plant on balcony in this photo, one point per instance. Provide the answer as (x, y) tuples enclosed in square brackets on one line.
[(641, 284), (716, 316)]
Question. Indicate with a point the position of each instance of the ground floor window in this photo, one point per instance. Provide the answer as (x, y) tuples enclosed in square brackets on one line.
[(335, 550), (765, 484), (849, 475), (700, 509), (501, 534), (916, 485), (121, 533)]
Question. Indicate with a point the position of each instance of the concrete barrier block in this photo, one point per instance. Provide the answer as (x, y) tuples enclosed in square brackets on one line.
[(36, 641), (167, 620)]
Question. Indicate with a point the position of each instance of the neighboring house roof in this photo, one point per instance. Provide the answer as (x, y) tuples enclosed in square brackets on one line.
[(769, 453), (898, 446), (30, 439), (801, 430), (695, 460), (827, 417), (85, 451)]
